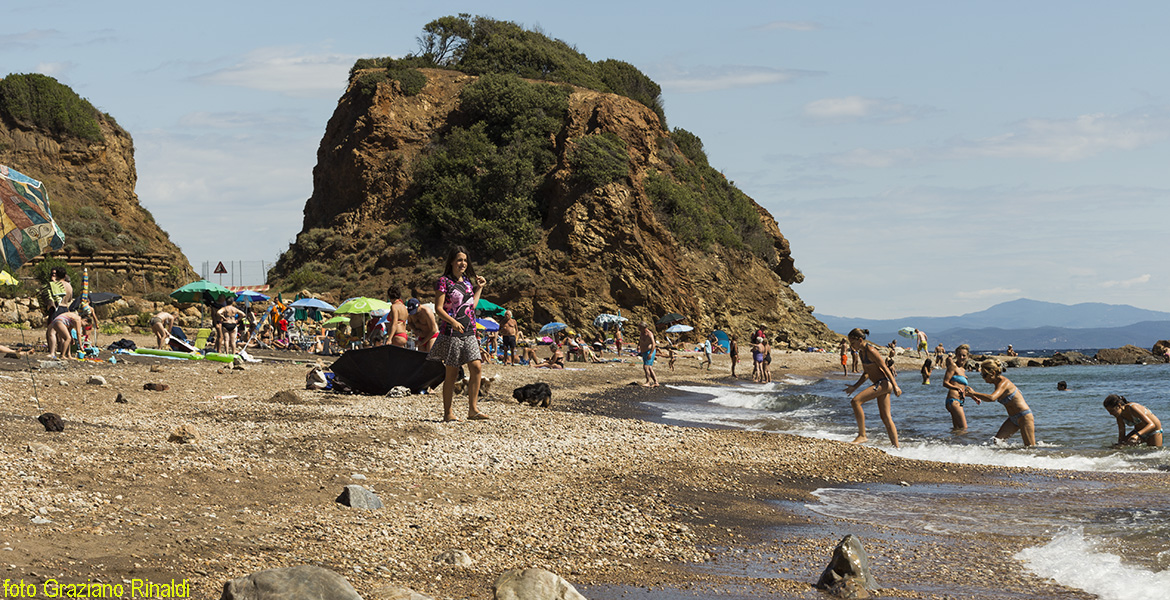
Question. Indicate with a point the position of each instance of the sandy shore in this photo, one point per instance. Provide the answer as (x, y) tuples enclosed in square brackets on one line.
[(582, 489)]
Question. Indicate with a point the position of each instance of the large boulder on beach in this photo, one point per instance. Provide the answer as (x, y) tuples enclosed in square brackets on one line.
[(303, 582), (533, 584), (1125, 355), (847, 575), (1160, 348), (1060, 359)]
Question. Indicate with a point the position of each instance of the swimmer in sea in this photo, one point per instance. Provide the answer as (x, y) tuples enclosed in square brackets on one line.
[(1147, 428), (955, 380), (873, 368), (1020, 417)]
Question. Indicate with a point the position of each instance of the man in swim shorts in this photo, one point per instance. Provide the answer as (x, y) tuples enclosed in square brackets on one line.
[(421, 322), (647, 349), (508, 338)]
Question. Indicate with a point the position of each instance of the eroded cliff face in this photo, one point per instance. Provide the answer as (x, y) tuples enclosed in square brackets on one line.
[(601, 249), (91, 189)]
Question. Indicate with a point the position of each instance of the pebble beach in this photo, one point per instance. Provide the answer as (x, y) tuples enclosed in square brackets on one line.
[(589, 489)]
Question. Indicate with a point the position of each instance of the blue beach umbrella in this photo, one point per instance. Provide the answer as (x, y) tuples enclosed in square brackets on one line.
[(313, 303), (488, 324), (552, 328), (906, 332), (251, 296)]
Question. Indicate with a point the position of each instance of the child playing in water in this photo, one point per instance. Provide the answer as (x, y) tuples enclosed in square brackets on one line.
[(1146, 427), (1020, 417)]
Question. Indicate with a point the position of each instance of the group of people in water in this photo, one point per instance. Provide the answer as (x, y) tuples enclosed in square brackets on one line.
[(1145, 427)]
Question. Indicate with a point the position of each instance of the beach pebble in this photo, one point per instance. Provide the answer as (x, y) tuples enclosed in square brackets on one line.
[(356, 496), (96, 380), (533, 584), (303, 581), (458, 558)]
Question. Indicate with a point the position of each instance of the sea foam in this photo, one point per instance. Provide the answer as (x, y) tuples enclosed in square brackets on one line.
[(1070, 560)]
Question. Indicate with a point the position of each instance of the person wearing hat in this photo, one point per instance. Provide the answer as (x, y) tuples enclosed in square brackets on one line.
[(421, 322)]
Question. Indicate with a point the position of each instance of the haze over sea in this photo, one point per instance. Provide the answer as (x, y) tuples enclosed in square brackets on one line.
[(1107, 541)]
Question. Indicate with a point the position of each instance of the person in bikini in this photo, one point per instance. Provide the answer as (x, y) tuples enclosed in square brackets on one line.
[(1147, 428), (873, 368), (955, 381), (397, 318), (161, 325), (229, 317), (63, 329), (421, 322), (758, 358), (555, 361), (1020, 417)]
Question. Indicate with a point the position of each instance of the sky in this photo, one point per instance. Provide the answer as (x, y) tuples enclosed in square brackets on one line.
[(922, 158)]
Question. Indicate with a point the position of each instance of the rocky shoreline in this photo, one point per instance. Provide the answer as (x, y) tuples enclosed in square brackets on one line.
[(579, 489)]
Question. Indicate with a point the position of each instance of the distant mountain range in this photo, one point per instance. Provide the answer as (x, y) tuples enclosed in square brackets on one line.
[(1027, 325)]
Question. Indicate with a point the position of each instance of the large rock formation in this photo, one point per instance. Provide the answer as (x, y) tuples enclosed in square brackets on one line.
[(91, 188), (599, 250)]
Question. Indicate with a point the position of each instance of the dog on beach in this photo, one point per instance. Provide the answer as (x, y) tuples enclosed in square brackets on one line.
[(485, 384), (534, 394)]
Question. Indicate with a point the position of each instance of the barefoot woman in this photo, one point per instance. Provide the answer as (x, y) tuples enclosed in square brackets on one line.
[(955, 380), (873, 368)]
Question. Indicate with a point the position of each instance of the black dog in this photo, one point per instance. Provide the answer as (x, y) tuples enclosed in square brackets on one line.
[(535, 394)]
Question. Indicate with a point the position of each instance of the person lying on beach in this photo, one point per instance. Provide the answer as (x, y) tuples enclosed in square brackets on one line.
[(1146, 427), (955, 381), (874, 368), (1020, 417), (555, 361)]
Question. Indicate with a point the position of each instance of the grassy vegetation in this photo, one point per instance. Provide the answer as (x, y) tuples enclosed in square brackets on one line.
[(478, 187), (599, 159), (38, 101)]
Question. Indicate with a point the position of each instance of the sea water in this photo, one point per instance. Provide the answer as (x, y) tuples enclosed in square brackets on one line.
[(1109, 542)]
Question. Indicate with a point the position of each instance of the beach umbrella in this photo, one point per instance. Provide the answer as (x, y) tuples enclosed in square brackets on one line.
[(250, 296), (670, 318), (552, 328), (906, 332), (360, 305), (6, 278), (489, 308), (487, 325), (722, 337), (201, 291), (26, 223), (379, 369), (95, 299), (679, 329), (606, 319), (335, 321), (313, 303)]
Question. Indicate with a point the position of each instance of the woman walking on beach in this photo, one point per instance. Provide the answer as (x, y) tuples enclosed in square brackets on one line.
[(456, 345), (874, 368), (1020, 417), (1146, 427), (955, 380), (733, 352)]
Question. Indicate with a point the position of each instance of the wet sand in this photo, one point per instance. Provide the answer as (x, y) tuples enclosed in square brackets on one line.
[(612, 502)]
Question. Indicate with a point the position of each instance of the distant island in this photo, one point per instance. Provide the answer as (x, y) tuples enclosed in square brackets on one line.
[(1027, 325)]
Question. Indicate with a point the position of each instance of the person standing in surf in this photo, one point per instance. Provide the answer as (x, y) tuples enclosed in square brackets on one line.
[(955, 380), (873, 368), (455, 300), (1020, 417), (1146, 427)]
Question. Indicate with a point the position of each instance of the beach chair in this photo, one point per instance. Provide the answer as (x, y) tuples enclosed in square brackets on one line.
[(201, 337)]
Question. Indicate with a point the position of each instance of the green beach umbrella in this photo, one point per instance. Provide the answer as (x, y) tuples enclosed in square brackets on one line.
[(489, 308), (197, 291), (360, 306), (335, 321)]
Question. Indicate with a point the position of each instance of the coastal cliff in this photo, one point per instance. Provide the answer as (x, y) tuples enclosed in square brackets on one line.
[(88, 170), (624, 214)]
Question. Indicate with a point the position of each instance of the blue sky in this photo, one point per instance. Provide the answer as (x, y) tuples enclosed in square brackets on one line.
[(923, 158)]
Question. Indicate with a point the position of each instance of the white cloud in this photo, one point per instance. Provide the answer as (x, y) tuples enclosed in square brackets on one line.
[(708, 79), (874, 159), (235, 120), (988, 293), (55, 69), (1072, 139), (28, 39), (853, 108), (283, 70), (790, 26), (1128, 282)]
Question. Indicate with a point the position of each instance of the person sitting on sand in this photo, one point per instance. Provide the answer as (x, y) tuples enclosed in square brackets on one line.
[(1020, 417), (873, 368), (161, 325), (556, 359), (1010, 351), (1146, 427), (647, 349), (955, 381)]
